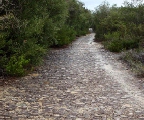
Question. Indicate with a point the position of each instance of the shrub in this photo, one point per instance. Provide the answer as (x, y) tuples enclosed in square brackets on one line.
[(114, 46), (16, 65), (130, 44), (113, 43), (135, 59), (112, 36), (33, 52), (65, 35), (28, 28)]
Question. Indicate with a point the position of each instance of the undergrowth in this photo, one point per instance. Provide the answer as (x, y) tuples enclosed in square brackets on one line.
[(135, 59)]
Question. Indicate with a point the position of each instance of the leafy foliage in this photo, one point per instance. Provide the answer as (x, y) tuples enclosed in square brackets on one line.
[(16, 65), (120, 27), (65, 35), (29, 28)]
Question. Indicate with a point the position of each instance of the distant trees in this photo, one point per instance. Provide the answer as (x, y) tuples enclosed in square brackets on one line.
[(120, 27), (28, 28), (79, 17)]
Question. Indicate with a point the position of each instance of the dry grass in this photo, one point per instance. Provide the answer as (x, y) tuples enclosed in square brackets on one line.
[(135, 60)]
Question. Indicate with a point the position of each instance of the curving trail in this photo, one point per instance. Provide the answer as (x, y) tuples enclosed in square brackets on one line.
[(80, 82)]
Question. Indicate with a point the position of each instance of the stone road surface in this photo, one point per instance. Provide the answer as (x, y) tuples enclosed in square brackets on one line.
[(80, 82)]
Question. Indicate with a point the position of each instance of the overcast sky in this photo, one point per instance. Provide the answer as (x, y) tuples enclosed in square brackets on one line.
[(91, 4)]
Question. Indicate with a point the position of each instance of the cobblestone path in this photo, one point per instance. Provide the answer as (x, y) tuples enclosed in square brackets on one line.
[(80, 82)]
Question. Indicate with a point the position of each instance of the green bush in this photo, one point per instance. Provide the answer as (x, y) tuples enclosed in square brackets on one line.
[(119, 45), (33, 52), (84, 32), (65, 36), (29, 28), (16, 65), (112, 42), (114, 45), (112, 36), (130, 44)]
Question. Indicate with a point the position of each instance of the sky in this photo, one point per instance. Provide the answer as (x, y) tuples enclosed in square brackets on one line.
[(91, 4)]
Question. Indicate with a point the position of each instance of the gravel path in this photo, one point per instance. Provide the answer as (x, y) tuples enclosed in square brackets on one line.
[(80, 82)]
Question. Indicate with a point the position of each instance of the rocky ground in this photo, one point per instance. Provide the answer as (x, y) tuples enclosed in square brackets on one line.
[(80, 82)]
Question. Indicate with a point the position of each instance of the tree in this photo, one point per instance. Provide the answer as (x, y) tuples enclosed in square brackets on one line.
[(28, 28)]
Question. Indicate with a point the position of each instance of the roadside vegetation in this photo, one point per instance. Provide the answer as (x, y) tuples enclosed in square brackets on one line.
[(29, 27), (121, 29)]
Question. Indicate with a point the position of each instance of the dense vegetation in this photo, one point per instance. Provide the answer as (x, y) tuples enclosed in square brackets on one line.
[(122, 29), (29, 27)]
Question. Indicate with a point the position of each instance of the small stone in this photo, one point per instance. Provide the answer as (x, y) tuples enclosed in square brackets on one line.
[(81, 111), (80, 103), (123, 116), (126, 106), (93, 101), (78, 118), (141, 118), (117, 118), (119, 112), (56, 115), (35, 75), (130, 113), (74, 92)]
